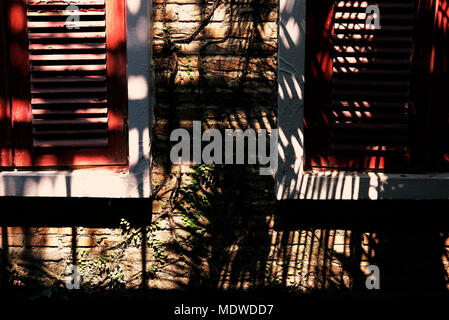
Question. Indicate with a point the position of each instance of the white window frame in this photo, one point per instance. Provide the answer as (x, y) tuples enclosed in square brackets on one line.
[(292, 182), (104, 182)]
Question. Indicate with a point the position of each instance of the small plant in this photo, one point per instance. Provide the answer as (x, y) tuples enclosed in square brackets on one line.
[(189, 69), (168, 34), (104, 270), (135, 237)]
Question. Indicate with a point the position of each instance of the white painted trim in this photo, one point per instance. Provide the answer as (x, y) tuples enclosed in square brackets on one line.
[(99, 183), (291, 59), (134, 183), (340, 185), (291, 180)]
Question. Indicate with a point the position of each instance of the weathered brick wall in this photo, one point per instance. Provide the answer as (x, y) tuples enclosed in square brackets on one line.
[(225, 77), (215, 226)]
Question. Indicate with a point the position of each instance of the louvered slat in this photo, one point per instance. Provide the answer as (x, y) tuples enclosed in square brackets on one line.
[(68, 73), (371, 77)]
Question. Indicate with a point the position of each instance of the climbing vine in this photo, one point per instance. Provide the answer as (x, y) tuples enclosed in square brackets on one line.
[(197, 202), (200, 197)]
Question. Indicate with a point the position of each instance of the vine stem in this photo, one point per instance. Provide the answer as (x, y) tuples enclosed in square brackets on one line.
[(203, 24)]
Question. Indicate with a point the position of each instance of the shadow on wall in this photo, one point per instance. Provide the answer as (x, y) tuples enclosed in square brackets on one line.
[(42, 240), (225, 242), (225, 76), (336, 243), (337, 185)]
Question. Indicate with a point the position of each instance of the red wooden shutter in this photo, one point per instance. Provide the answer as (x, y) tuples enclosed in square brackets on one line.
[(371, 78), (5, 111), (70, 102)]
